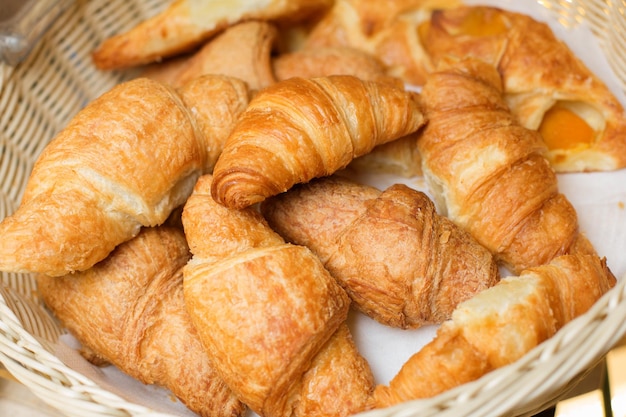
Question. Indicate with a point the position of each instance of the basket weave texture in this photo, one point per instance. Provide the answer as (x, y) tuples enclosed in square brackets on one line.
[(40, 96)]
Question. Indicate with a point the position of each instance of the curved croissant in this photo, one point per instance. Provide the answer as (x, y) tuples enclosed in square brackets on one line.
[(547, 87), (400, 262), (299, 129), (125, 161), (129, 311), (489, 174), (500, 325), (265, 311)]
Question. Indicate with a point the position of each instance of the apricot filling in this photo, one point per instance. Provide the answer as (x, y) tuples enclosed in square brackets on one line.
[(480, 22), (561, 128), (472, 22)]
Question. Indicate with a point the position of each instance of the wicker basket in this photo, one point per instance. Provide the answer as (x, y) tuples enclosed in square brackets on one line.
[(39, 97)]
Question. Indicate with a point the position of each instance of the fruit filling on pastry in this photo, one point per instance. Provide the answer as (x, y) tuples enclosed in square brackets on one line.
[(475, 22), (566, 127), (482, 22)]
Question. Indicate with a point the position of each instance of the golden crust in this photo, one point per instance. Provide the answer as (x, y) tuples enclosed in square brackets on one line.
[(401, 263), (321, 62), (300, 129), (539, 72), (127, 160), (185, 25), (116, 166), (265, 311), (216, 102), (129, 310), (387, 30), (506, 194), (339, 381), (500, 325), (242, 51)]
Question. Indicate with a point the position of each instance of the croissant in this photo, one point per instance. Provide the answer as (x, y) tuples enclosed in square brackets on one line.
[(299, 129), (506, 194), (499, 326), (401, 263), (129, 311), (241, 51), (125, 161), (339, 382), (547, 87), (265, 311), (185, 25), (322, 62)]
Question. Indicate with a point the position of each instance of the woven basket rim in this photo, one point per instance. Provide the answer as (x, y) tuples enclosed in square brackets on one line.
[(539, 380)]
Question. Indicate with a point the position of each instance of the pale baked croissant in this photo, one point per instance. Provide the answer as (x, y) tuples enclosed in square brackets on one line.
[(499, 326), (300, 129), (185, 25), (401, 263), (265, 311), (125, 161), (489, 174), (546, 86), (129, 311)]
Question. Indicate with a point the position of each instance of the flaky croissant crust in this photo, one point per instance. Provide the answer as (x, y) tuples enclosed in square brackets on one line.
[(300, 129), (129, 310), (506, 195), (401, 263)]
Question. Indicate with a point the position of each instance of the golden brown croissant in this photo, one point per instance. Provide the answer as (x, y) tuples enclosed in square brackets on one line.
[(185, 25), (401, 263), (125, 161), (300, 129), (488, 173), (499, 326), (547, 87), (339, 382), (322, 62), (265, 310), (242, 51), (129, 311), (216, 102)]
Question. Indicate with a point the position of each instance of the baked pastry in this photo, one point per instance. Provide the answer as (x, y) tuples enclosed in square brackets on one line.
[(546, 86), (489, 174), (499, 326), (322, 62), (300, 129), (241, 51), (216, 103), (386, 30), (398, 157), (265, 309), (339, 382), (129, 311), (186, 25), (401, 263), (126, 160)]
